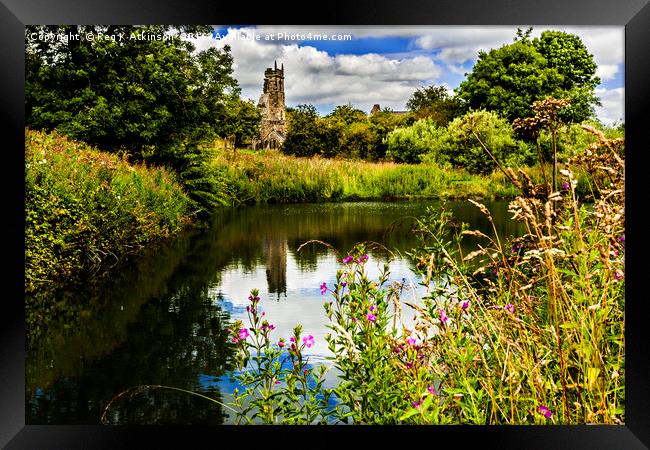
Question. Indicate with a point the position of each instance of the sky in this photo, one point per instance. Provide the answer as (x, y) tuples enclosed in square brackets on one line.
[(367, 65)]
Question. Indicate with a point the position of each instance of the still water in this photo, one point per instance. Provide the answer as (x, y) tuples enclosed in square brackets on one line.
[(162, 319)]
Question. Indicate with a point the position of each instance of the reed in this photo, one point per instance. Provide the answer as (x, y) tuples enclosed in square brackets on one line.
[(271, 177)]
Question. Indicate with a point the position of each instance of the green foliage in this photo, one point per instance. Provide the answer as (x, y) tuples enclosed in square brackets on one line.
[(347, 114), (568, 55), (360, 140), (270, 177), (509, 79), (364, 344), (205, 183), (246, 121), (303, 132), (423, 137), (150, 98), (434, 102), (464, 148), (345, 133), (130, 94), (85, 209)]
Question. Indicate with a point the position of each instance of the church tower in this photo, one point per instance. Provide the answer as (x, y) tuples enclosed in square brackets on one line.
[(273, 127)]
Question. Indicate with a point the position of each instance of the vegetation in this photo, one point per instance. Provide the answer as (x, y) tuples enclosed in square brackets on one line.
[(347, 132), (271, 177), (409, 144), (509, 79), (86, 209), (436, 103), (526, 331), (158, 100), (540, 139)]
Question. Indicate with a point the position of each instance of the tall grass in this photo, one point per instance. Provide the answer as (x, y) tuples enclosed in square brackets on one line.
[(271, 177), (86, 209)]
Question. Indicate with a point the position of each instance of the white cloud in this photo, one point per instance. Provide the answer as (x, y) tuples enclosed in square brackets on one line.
[(613, 105), (313, 76), (437, 54), (607, 71)]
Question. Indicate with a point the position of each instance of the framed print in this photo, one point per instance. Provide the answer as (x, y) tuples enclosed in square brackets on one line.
[(372, 219)]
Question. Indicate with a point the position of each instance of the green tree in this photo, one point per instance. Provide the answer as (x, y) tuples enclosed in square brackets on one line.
[(141, 90), (359, 140), (143, 96), (434, 102), (303, 136), (382, 123), (509, 79), (347, 114), (246, 121), (408, 144), (470, 133)]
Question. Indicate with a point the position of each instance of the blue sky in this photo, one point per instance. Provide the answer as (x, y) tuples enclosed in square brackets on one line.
[(385, 64)]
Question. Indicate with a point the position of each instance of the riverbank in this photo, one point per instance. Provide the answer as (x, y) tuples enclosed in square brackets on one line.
[(272, 177), (86, 209)]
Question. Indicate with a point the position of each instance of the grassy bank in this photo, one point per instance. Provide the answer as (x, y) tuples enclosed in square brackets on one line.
[(86, 209), (270, 176)]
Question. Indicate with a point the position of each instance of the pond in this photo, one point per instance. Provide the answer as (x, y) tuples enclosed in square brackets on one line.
[(162, 318)]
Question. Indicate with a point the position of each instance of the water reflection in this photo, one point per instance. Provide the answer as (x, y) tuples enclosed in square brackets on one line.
[(162, 319)]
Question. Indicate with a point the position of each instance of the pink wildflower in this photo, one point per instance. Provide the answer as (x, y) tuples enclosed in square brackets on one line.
[(308, 341), (362, 259), (543, 410), (243, 333)]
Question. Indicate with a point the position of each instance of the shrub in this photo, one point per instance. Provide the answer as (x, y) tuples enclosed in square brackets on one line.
[(424, 137), (85, 209), (465, 149)]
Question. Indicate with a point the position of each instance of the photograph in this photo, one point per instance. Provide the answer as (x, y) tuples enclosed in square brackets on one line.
[(325, 224), (381, 223)]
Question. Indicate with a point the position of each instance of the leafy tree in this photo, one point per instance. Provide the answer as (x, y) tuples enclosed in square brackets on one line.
[(347, 114), (303, 134), (408, 144), (568, 55), (138, 95), (382, 123), (434, 102), (359, 140), (470, 133), (153, 97), (246, 121), (509, 79)]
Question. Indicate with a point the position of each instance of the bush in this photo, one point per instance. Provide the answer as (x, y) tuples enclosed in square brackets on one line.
[(465, 150), (85, 209), (424, 137)]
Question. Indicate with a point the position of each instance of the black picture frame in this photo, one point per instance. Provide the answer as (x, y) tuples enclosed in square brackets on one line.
[(15, 14)]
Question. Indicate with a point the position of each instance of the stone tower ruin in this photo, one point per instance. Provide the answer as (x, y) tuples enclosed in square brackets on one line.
[(273, 127)]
